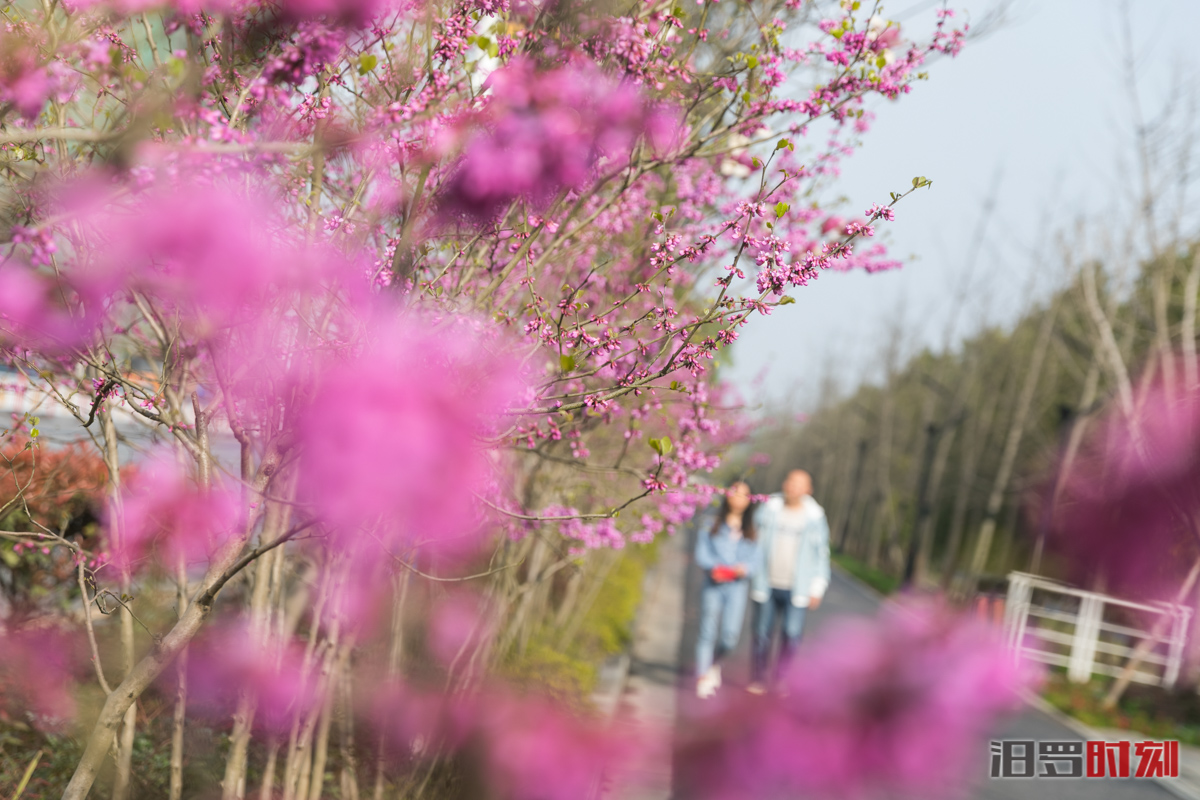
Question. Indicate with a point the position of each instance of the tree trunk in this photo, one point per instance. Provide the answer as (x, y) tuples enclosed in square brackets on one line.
[(883, 477), (976, 440), (123, 697), (860, 458), (922, 509), (112, 460), (1078, 424), (1188, 327), (1012, 445)]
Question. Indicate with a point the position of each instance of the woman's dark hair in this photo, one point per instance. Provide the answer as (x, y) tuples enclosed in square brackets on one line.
[(748, 532)]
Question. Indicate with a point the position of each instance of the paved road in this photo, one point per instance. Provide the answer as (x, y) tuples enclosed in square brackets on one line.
[(847, 597)]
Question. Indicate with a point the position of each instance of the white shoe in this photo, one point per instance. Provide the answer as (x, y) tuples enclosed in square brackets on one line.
[(706, 687), (716, 676)]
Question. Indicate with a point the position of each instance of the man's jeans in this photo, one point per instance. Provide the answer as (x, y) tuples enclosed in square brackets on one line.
[(778, 608)]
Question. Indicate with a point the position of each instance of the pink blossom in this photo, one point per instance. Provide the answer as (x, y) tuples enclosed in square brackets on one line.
[(1131, 494), (162, 242), (229, 659), (36, 669), (546, 131), (523, 747), (25, 84), (164, 515), (833, 225), (31, 311), (456, 626), (538, 752), (899, 703), (392, 436)]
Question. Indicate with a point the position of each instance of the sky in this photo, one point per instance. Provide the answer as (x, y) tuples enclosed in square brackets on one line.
[(1028, 131)]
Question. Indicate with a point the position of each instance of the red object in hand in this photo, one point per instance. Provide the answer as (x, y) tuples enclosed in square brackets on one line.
[(725, 574)]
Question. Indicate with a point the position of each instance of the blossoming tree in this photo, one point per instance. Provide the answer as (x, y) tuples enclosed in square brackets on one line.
[(408, 310)]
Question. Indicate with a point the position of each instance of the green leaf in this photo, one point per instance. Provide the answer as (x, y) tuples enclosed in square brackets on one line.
[(782, 143), (656, 445), (678, 13), (665, 442), (657, 215), (781, 208), (920, 181), (755, 162), (786, 301), (675, 385), (751, 62), (366, 63), (566, 362)]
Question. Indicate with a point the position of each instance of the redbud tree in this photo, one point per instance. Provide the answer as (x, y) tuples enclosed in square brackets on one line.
[(388, 320)]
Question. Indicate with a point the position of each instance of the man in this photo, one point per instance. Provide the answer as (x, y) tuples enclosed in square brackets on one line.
[(792, 572)]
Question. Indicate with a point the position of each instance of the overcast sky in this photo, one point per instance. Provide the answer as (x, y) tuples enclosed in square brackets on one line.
[(1035, 116)]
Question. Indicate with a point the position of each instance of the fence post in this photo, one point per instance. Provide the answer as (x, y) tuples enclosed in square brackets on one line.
[(1175, 648), (1016, 606), (1087, 634)]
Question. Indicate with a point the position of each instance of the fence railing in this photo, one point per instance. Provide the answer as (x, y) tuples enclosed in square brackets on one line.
[(1090, 633)]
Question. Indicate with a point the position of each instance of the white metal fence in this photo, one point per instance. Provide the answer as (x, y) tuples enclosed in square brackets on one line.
[(1090, 633)]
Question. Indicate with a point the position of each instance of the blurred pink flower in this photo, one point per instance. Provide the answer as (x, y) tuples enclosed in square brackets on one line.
[(226, 660), (1128, 505), (546, 132), (520, 746), (25, 85), (835, 225), (536, 751), (391, 440), (456, 626), (166, 516), (897, 704), (36, 668), (214, 251), (30, 312)]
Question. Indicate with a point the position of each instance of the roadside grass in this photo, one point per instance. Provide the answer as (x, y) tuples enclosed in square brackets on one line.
[(877, 580), (1151, 710)]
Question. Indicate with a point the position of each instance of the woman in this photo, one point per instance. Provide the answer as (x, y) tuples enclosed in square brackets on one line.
[(725, 552)]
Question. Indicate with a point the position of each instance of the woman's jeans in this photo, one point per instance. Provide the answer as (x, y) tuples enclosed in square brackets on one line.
[(722, 608), (778, 607)]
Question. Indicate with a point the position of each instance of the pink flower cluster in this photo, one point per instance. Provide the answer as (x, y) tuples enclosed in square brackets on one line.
[(231, 658), (898, 704), (165, 517), (546, 131), (1133, 493), (391, 439), (520, 746), (37, 668)]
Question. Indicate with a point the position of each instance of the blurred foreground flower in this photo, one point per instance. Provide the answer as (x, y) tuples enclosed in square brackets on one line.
[(36, 670), (392, 452), (899, 704), (226, 661), (520, 747), (1130, 506), (166, 516)]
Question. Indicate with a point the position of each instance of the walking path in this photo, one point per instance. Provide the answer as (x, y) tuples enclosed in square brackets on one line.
[(659, 686)]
